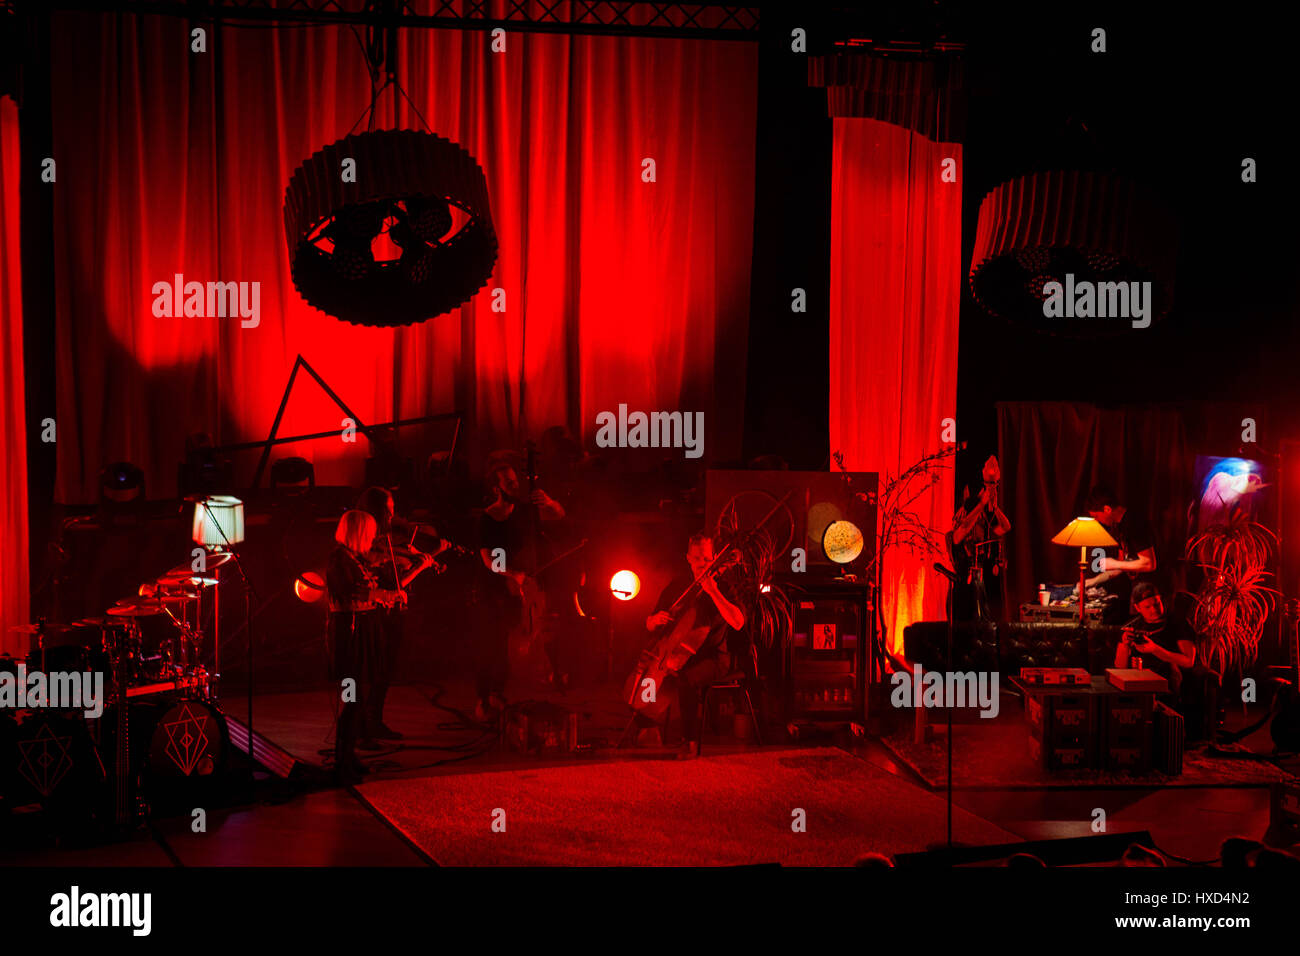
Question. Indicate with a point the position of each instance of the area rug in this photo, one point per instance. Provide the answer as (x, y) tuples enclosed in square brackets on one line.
[(735, 809), (994, 755)]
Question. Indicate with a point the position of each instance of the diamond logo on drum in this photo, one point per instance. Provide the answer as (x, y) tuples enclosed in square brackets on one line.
[(187, 740), (44, 760)]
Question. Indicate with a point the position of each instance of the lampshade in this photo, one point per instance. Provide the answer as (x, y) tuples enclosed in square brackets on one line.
[(1085, 533), (218, 521), (1084, 230)]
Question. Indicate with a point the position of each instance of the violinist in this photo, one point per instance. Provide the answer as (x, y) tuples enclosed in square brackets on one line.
[(353, 632), (396, 564), (725, 646)]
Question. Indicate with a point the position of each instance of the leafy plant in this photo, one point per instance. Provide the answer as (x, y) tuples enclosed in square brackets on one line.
[(898, 526), (1234, 601)]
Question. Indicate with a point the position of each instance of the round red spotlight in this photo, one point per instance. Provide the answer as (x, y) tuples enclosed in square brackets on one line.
[(309, 586), (625, 585)]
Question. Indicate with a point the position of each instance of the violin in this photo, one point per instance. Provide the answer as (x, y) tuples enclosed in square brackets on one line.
[(407, 562)]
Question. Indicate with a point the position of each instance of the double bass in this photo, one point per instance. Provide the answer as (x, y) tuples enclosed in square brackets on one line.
[(675, 644)]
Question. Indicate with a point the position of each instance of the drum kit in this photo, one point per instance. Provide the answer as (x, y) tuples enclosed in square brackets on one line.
[(161, 731)]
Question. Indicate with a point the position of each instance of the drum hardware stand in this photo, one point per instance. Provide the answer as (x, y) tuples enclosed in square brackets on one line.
[(952, 610), (250, 592)]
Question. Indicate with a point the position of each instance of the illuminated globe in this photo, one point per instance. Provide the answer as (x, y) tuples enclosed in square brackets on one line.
[(625, 585), (842, 541)]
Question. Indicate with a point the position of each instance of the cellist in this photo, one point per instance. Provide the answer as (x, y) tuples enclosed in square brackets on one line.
[(724, 647)]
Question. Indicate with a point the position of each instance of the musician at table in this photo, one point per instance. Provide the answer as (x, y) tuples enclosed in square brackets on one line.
[(1132, 561), (353, 632), (1166, 642), (724, 649)]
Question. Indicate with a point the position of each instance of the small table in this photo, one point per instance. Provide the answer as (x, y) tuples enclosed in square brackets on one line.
[(1101, 689)]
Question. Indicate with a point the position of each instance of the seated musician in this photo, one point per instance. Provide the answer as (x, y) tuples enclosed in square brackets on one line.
[(722, 648), (1166, 644)]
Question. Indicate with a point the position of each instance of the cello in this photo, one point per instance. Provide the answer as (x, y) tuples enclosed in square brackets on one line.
[(676, 643)]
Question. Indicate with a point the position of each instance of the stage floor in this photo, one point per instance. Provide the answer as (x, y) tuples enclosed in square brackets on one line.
[(732, 806)]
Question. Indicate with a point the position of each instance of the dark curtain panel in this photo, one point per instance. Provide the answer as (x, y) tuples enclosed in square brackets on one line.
[(617, 290), (1053, 453)]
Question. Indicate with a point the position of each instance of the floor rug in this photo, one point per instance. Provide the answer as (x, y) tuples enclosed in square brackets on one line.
[(734, 809)]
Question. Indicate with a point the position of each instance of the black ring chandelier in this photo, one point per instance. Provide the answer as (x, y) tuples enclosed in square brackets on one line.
[(388, 227), (411, 187)]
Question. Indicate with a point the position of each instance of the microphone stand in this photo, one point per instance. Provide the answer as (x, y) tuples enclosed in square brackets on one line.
[(249, 593), (952, 609)]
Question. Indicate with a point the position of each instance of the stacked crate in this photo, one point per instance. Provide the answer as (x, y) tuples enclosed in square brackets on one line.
[(1127, 732), (1062, 730)]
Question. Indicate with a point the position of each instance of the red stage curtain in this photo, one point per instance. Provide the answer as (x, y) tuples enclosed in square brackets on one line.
[(616, 290), (895, 294), (13, 425)]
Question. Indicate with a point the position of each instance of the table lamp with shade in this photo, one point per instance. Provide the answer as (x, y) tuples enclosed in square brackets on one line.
[(218, 521), (1084, 533)]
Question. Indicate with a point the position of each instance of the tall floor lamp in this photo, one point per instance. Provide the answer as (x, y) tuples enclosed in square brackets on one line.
[(1084, 533), (219, 526)]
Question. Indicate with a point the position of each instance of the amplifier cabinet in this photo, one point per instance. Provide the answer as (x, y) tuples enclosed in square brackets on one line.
[(825, 666)]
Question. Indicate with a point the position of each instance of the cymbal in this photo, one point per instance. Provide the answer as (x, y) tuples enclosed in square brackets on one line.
[(173, 592), (184, 574), (177, 597), (40, 629), (143, 608)]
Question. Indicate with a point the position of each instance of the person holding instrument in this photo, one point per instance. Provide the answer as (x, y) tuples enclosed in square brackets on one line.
[(977, 549), (513, 547), (353, 632), (724, 645), (395, 564)]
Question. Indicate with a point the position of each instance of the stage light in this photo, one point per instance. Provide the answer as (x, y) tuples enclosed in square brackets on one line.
[(294, 474), (218, 521), (842, 542), (625, 585), (309, 586), (120, 483)]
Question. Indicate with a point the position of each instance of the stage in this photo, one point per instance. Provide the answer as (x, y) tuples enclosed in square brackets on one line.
[(430, 802)]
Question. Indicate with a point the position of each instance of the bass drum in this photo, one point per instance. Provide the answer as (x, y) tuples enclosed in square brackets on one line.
[(49, 758), (178, 750)]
